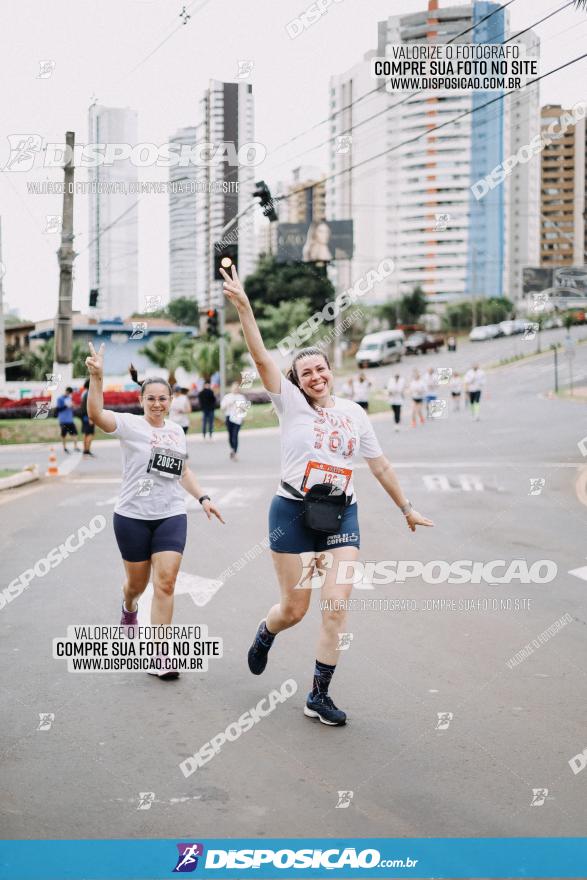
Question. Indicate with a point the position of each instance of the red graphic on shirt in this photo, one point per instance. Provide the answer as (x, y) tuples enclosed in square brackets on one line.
[(336, 433)]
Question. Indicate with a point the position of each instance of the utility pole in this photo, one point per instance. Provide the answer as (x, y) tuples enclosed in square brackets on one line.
[(2, 335), (65, 256)]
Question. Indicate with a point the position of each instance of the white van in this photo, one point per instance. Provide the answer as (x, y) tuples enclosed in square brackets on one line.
[(385, 347)]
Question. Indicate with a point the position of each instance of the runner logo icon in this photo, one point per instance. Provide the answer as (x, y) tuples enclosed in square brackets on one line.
[(187, 860)]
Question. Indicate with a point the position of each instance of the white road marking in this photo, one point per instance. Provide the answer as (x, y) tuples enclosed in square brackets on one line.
[(200, 589), (581, 485), (441, 483), (580, 572)]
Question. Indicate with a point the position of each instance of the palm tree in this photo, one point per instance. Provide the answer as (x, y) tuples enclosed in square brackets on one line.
[(170, 353), (37, 364), (207, 357)]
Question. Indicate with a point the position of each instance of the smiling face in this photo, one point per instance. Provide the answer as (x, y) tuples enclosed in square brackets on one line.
[(155, 401), (314, 377)]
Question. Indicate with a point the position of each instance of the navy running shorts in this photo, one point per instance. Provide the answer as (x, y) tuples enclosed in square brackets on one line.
[(138, 539), (289, 534)]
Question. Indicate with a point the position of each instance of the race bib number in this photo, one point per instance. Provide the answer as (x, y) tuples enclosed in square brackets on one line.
[(316, 472), (166, 462)]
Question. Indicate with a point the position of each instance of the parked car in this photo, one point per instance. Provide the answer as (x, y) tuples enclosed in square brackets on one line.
[(420, 343), (519, 325), (507, 327), (478, 334), (385, 347), (494, 330)]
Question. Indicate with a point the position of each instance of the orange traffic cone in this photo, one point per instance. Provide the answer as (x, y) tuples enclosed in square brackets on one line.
[(52, 470)]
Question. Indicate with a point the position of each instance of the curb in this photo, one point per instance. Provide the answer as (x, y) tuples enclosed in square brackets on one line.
[(29, 475)]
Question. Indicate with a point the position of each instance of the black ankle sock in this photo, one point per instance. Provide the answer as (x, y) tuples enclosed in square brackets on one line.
[(322, 676), (264, 636)]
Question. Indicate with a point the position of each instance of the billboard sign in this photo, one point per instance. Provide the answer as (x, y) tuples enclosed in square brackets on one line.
[(320, 241)]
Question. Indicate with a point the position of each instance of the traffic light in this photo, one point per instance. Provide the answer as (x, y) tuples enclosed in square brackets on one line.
[(93, 298), (225, 255), (212, 323), (262, 192)]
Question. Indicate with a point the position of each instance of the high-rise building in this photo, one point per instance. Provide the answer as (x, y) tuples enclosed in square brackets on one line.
[(307, 197), (113, 220), (562, 209), (183, 197), (226, 117), (414, 201), (522, 209)]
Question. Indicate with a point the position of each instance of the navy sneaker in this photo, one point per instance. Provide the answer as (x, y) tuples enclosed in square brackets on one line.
[(321, 706), (258, 652)]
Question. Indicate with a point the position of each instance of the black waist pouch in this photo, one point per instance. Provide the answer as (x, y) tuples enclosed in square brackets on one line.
[(323, 506)]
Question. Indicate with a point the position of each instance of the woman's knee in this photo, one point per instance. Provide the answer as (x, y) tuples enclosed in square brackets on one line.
[(164, 584), (333, 620), (293, 612)]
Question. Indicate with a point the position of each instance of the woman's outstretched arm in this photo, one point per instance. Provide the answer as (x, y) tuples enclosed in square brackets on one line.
[(268, 369)]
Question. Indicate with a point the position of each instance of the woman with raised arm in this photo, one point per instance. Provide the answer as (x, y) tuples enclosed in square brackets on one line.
[(313, 516), (150, 521)]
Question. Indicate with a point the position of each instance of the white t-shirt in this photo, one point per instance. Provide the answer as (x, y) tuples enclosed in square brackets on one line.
[(146, 494), (418, 389), (456, 385), (320, 445), (431, 383), (475, 380), (395, 390), (361, 391), (179, 409), (235, 407)]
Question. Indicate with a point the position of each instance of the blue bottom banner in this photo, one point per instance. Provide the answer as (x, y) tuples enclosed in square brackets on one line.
[(281, 857)]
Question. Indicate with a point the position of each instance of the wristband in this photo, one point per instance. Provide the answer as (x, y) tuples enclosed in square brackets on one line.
[(407, 508), (204, 498)]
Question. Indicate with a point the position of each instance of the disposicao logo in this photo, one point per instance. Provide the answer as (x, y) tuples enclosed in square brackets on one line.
[(188, 857)]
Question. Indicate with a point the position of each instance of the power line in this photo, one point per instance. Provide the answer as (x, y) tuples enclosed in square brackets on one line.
[(380, 88), (409, 97)]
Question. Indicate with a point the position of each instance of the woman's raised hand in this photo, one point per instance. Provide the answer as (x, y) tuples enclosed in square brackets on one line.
[(95, 361), (233, 288)]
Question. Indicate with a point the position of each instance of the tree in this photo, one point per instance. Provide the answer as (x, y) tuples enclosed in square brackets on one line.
[(278, 321), (207, 358), (171, 352), (387, 313), (458, 316), (273, 282), (494, 309), (184, 311), (412, 306), (36, 364)]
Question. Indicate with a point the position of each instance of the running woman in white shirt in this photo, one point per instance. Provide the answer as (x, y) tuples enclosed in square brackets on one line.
[(474, 383), (417, 391), (321, 435), (456, 389), (150, 522), (234, 406), (395, 391), (181, 408)]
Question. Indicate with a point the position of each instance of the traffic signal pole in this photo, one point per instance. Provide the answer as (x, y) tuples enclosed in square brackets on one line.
[(221, 323), (262, 192)]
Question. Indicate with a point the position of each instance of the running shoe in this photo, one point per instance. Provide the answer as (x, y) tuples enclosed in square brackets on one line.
[(164, 674), (129, 618), (258, 652), (321, 706)]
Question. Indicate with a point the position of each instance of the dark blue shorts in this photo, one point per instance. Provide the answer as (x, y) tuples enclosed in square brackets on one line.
[(289, 534), (138, 539)]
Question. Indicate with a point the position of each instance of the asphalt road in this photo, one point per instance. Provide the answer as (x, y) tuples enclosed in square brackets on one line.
[(471, 772)]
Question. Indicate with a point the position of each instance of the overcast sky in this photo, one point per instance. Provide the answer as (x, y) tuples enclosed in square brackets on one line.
[(95, 45)]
